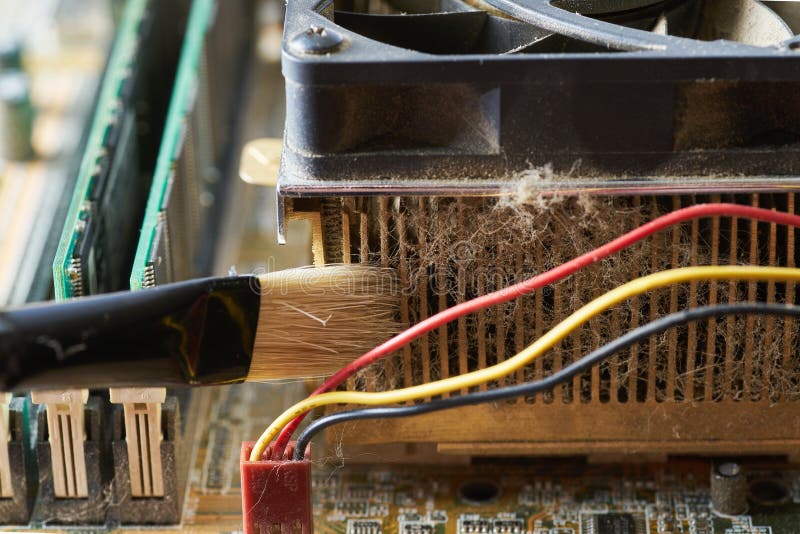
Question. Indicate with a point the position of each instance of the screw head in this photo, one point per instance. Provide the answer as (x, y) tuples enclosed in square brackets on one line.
[(316, 40)]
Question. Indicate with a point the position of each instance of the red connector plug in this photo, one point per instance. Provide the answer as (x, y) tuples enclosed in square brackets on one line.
[(276, 494)]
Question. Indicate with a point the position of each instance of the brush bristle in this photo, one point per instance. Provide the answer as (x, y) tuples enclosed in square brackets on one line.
[(315, 320)]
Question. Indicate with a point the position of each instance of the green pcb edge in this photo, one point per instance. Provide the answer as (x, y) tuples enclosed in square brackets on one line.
[(122, 55), (183, 97)]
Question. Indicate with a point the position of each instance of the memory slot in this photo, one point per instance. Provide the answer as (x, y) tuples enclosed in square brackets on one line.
[(192, 169), (97, 244)]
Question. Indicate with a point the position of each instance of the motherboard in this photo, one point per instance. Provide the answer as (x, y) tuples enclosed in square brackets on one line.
[(360, 493), (567, 499), (357, 493)]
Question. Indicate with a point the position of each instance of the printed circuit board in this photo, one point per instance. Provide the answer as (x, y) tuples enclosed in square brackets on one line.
[(359, 494)]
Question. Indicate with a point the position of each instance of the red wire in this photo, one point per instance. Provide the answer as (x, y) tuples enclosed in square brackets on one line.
[(553, 275)]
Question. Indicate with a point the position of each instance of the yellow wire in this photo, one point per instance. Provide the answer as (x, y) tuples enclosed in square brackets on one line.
[(537, 348)]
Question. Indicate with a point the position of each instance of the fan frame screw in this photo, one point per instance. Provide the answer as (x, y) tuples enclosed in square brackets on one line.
[(317, 40)]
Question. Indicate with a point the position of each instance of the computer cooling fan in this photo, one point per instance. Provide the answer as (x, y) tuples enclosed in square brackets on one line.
[(471, 143), (428, 93)]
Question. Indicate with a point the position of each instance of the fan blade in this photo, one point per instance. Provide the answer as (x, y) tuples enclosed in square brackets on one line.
[(744, 21)]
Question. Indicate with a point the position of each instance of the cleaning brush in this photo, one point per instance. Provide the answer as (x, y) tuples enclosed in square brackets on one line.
[(291, 324)]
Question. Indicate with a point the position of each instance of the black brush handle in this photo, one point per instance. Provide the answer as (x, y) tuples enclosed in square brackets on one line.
[(199, 332)]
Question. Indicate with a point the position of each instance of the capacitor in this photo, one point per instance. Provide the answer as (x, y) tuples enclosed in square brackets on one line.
[(16, 116), (728, 488)]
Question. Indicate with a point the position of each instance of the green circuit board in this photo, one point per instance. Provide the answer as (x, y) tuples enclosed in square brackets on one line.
[(95, 252), (68, 269), (170, 179), (363, 492), (555, 499), (190, 174)]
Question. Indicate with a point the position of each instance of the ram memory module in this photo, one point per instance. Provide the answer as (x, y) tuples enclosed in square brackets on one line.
[(199, 139), (96, 248)]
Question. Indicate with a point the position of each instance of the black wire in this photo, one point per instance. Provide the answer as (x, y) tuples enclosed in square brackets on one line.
[(530, 388)]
